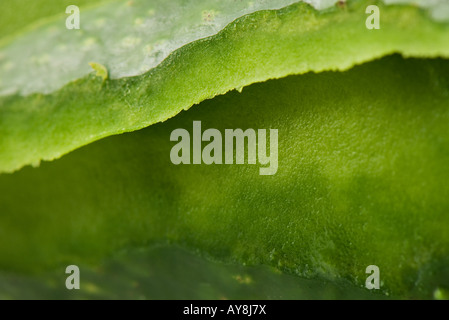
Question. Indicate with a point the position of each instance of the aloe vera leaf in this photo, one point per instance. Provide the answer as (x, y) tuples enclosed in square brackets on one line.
[(362, 180), (256, 47)]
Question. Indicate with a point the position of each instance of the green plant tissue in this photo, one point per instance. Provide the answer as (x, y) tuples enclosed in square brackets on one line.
[(111, 111)]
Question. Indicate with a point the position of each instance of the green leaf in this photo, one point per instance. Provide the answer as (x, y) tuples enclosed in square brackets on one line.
[(254, 48), (362, 180), (363, 144)]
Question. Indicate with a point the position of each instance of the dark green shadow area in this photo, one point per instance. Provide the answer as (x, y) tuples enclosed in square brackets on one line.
[(168, 272)]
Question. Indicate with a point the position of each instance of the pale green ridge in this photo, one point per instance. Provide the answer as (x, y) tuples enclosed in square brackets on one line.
[(254, 48), (362, 180)]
